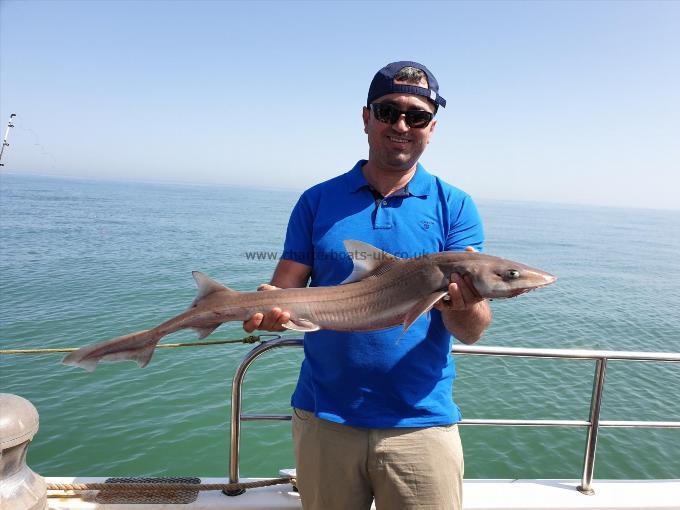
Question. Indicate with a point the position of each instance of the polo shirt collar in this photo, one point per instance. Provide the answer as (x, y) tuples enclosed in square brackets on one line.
[(420, 184)]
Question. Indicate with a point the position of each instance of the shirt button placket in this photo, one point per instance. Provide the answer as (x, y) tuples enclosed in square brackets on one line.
[(383, 217)]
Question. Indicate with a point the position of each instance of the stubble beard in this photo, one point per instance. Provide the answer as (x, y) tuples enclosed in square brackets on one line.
[(398, 161)]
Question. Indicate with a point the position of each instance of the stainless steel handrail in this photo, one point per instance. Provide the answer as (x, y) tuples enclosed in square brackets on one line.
[(237, 382), (593, 424)]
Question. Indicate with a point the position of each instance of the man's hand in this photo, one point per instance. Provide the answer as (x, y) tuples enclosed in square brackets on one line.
[(462, 295), (288, 274), (270, 321), (465, 313)]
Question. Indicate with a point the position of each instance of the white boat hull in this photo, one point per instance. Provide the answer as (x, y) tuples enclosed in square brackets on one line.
[(479, 495)]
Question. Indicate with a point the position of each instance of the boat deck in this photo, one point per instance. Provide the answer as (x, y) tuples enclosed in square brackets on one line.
[(479, 495)]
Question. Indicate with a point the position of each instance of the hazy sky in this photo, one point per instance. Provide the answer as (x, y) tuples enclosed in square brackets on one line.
[(575, 102)]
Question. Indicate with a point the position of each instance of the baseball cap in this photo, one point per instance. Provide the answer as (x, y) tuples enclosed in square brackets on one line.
[(383, 84)]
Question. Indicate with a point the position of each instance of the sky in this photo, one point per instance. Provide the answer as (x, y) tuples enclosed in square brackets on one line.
[(565, 102)]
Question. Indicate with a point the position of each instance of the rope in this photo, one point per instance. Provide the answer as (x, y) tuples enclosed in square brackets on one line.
[(251, 339), (168, 486)]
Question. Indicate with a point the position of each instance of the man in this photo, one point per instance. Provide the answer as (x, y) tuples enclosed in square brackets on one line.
[(373, 411)]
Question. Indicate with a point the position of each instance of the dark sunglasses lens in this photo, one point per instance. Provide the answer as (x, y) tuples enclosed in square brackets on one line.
[(385, 113), (390, 114), (418, 118)]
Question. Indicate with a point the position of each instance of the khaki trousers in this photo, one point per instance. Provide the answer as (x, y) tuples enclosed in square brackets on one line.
[(344, 468)]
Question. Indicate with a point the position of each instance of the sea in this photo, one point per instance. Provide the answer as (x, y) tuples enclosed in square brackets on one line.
[(86, 260)]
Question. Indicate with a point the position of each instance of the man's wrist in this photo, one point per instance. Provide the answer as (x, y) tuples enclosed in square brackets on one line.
[(468, 325)]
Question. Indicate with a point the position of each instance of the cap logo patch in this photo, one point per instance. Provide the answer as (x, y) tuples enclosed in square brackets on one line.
[(433, 95)]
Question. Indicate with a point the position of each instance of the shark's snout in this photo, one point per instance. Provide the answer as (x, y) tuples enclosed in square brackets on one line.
[(549, 278), (505, 281)]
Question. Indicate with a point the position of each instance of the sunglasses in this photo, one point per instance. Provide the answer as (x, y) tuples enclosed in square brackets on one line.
[(389, 114)]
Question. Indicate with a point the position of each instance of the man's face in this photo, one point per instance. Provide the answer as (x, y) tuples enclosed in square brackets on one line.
[(397, 146)]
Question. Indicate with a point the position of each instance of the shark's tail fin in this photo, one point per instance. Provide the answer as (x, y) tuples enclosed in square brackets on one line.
[(137, 347)]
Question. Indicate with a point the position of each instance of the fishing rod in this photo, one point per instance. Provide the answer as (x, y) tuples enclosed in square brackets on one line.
[(4, 139)]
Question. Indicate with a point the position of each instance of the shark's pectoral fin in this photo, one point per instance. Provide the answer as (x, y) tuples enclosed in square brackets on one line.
[(301, 325), (421, 307), (204, 332), (367, 259)]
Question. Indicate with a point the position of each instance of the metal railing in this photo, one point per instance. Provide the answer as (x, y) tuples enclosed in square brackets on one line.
[(593, 424)]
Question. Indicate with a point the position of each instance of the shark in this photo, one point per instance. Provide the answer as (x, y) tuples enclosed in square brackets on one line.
[(382, 291)]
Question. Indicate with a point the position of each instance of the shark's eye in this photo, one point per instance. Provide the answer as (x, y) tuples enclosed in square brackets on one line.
[(512, 274)]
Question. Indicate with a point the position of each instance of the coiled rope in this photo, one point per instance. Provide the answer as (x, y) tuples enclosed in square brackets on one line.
[(168, 486), (251, 339)]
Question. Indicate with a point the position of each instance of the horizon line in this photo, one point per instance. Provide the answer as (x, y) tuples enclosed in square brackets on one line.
[(168, 182)]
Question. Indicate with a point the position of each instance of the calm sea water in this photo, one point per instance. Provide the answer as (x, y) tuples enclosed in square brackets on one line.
[(85, 261)]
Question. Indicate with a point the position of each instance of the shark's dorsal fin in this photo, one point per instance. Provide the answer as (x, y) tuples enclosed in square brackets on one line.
[(368, 260), (206, 286)]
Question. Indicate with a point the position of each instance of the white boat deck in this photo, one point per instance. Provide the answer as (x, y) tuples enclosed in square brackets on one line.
[(479, 495)]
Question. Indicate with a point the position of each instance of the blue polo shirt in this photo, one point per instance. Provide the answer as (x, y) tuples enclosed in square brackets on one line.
[(381, 378)]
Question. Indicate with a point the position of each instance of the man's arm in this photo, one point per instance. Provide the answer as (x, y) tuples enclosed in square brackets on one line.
[(288, 274)]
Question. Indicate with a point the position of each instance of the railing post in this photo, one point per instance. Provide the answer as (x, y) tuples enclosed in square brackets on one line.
[(593, 428), (235, 421), (237, 382)]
